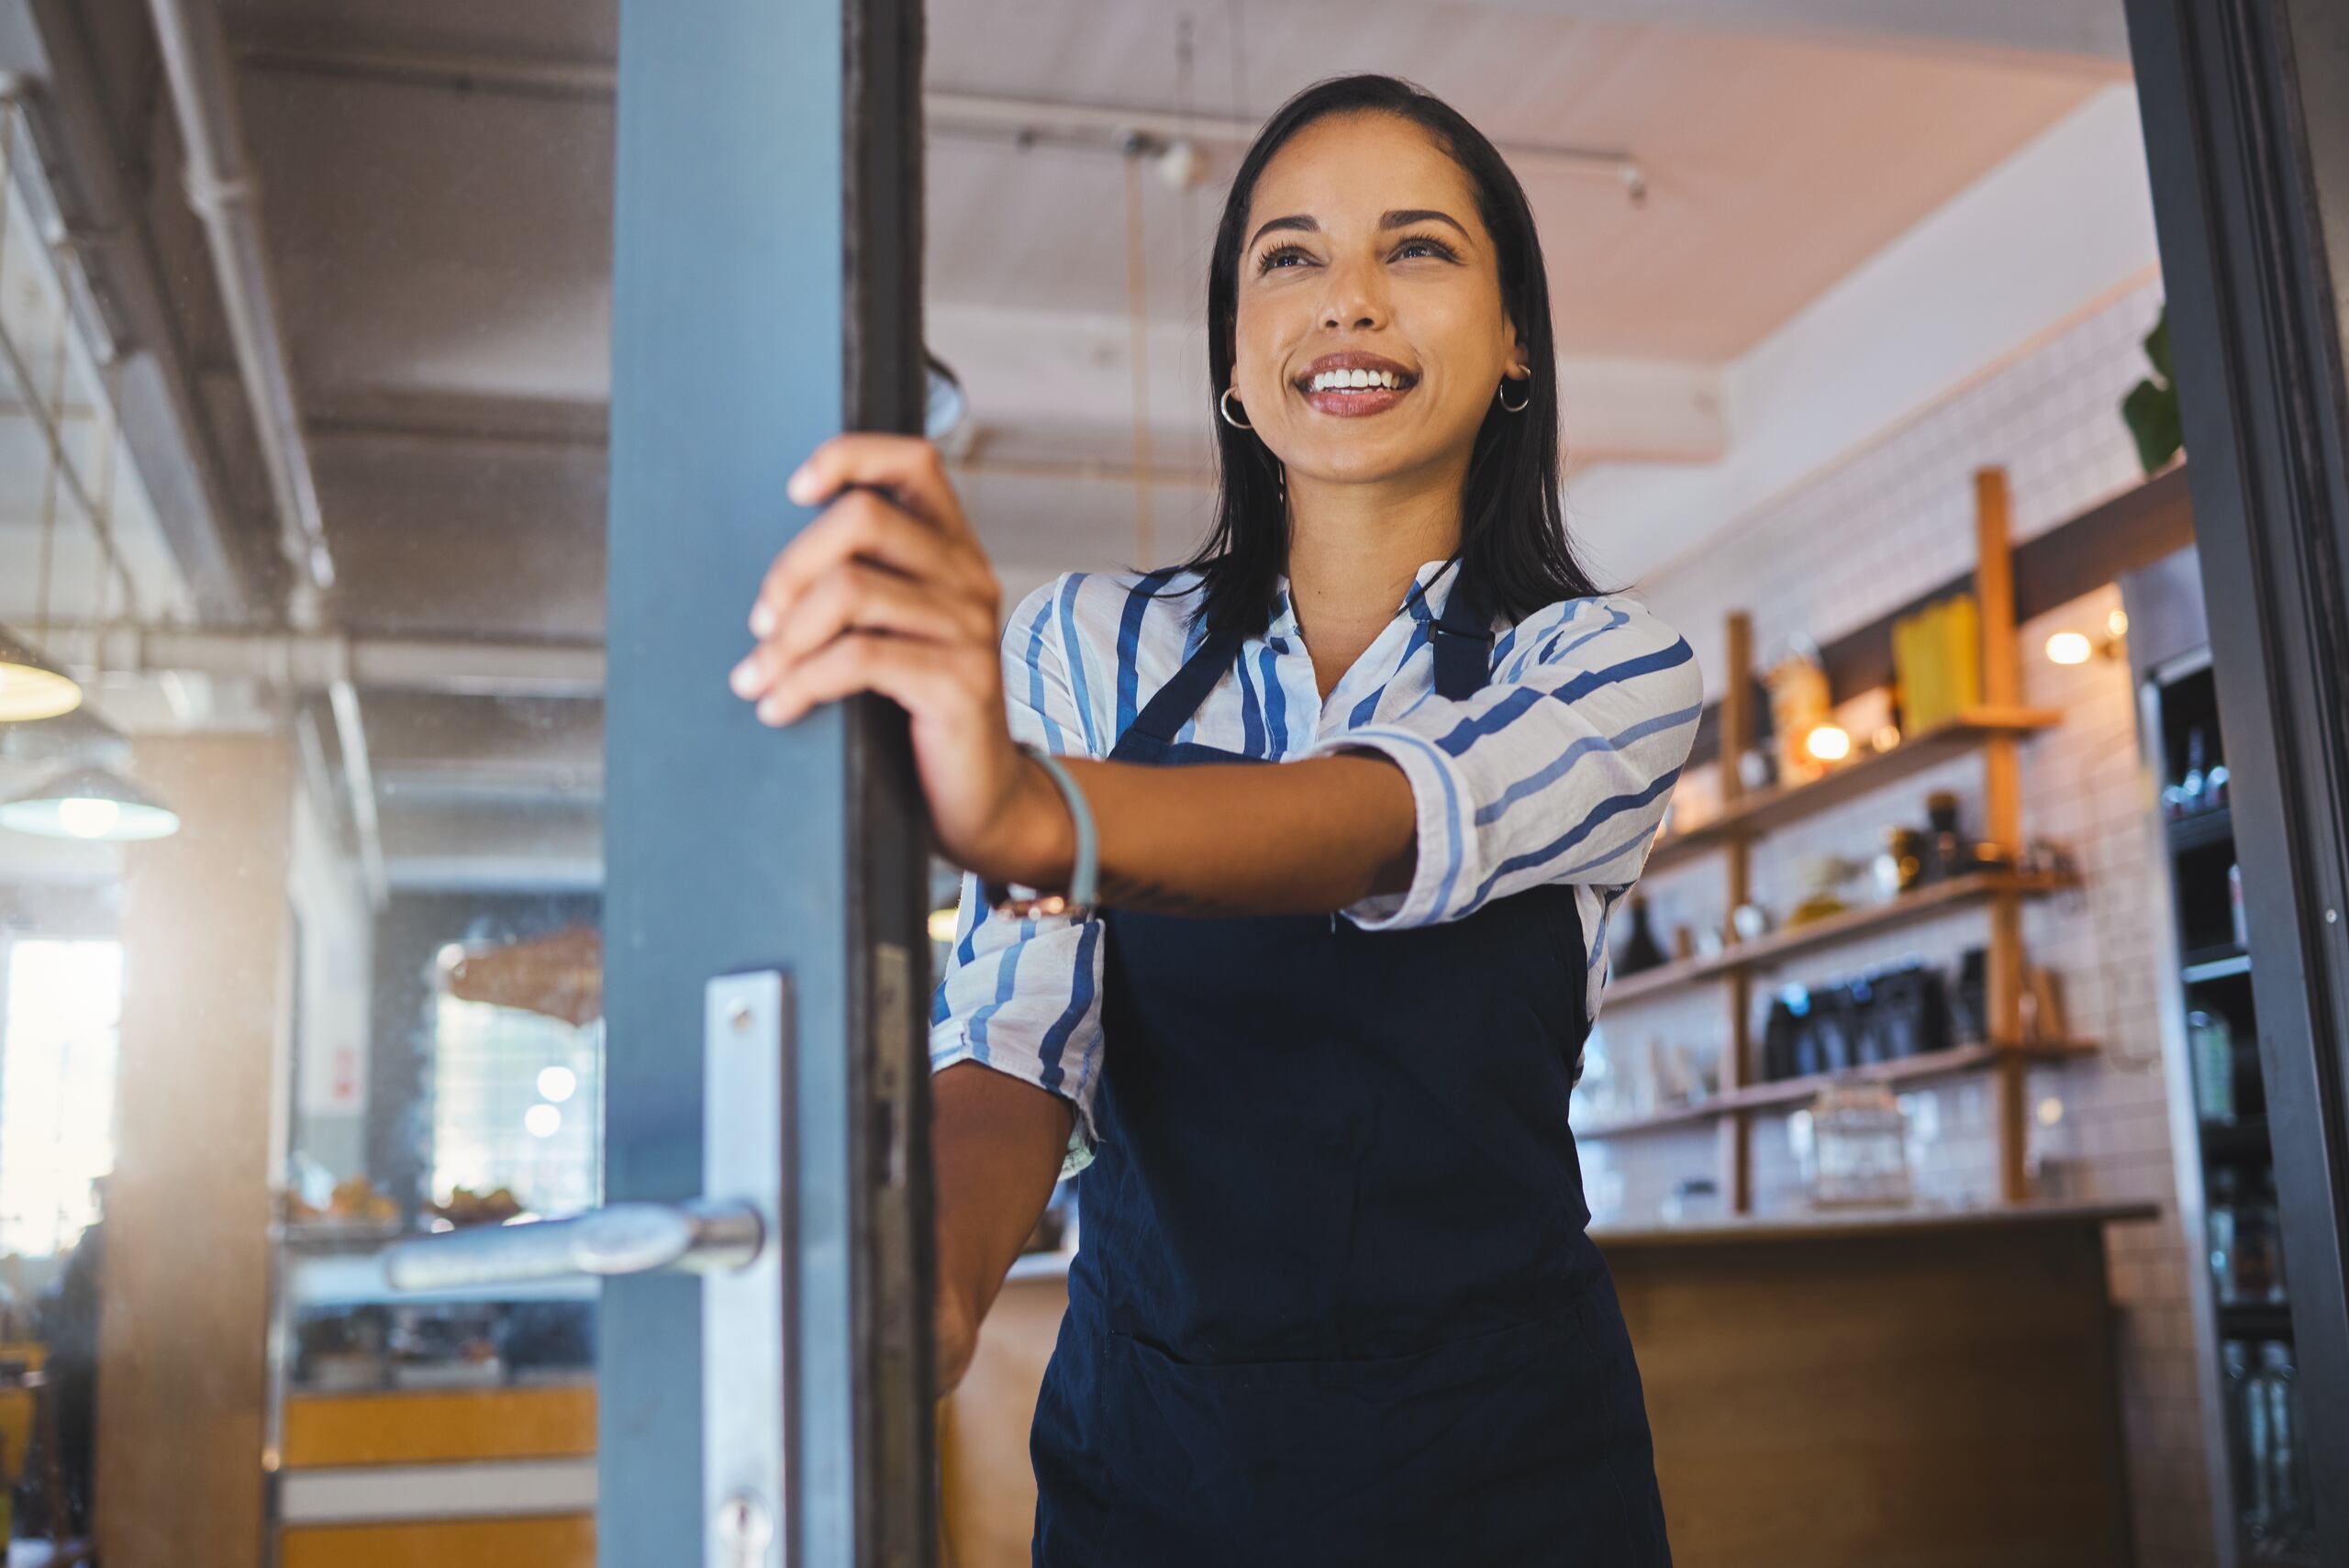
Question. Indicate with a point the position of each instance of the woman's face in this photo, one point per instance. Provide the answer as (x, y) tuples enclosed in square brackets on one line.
[(1363, 249)]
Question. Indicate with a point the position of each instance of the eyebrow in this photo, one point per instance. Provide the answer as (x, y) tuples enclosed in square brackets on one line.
[(1397, 217)]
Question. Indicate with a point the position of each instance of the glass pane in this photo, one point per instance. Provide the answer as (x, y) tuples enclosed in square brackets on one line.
[(300, 906)]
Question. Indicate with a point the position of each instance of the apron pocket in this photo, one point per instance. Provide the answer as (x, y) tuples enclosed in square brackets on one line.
[(1398, 1459)]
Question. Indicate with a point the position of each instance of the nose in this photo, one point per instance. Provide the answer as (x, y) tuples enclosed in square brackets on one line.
[(1355, 298)]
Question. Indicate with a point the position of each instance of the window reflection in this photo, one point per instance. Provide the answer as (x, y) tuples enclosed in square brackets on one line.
[(57, 1084), (515, 1107)]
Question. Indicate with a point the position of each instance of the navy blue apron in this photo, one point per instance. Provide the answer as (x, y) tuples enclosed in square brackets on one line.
[(1333, 1301)]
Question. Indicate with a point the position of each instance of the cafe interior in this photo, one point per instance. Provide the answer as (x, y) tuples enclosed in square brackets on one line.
[(1925, 1129)]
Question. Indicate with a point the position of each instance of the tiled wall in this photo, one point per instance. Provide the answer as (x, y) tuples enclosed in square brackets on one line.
[(1885, 524)]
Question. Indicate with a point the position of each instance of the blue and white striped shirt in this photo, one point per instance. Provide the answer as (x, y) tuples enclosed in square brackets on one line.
[(1558, 769)]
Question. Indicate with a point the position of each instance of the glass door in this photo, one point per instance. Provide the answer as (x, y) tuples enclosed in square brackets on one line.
[(459, 1089)]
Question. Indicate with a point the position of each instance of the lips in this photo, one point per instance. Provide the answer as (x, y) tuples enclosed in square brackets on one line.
[(1354, 383)]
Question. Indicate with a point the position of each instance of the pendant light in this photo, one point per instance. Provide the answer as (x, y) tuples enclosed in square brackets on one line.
[(30, 686), (91, 804)]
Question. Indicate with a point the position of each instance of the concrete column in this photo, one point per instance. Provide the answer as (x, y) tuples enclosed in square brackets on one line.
[(207, 977)]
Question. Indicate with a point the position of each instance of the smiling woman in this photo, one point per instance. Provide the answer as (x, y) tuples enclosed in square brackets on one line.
[(1363, 777)]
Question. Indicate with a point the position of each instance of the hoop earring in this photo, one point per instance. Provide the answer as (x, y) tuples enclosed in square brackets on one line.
[(1501, 397), (1223, 407)]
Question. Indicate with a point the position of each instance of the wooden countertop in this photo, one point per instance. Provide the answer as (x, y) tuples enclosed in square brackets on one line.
[(1807, 1225), (1858, 1223)]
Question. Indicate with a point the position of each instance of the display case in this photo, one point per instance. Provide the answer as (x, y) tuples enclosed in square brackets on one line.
[(2226, 1172), (450, 1427)]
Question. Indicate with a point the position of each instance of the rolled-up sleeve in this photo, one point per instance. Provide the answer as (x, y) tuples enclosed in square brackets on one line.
[(1558, 769), (1023, 996)]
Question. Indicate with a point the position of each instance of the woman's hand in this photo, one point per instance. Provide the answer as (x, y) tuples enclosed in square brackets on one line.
[(888, 591)]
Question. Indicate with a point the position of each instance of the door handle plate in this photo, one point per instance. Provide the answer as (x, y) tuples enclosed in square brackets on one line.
[(749, 1325)]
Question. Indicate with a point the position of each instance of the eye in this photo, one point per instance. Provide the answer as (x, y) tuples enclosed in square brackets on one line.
[(1273, 257), (1427, 245)]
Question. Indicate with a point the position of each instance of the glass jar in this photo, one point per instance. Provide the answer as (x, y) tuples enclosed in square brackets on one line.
[(1860, 1147), (2210, 1047)]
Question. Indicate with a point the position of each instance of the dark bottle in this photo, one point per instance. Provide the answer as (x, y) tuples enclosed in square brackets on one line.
[(1946, 851), (1640, 950), (1969, 1022)]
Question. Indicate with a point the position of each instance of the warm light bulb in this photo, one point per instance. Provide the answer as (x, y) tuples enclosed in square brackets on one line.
[(88, 819), (2117, 623), (29, 690), (1828, 742), (942, 924), (558, 1084), (544, 1121), (2069, 648)]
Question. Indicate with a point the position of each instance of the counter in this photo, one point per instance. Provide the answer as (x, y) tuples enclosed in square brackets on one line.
[(1910, 1389)]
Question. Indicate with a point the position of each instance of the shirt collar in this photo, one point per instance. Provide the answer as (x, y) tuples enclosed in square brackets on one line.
[(1424, 600)]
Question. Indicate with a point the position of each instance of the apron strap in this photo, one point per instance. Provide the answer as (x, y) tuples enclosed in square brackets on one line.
[(1464, 641), (1174, 702)]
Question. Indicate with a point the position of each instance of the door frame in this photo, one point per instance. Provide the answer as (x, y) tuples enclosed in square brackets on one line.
[(2245, 107), (766, 294)]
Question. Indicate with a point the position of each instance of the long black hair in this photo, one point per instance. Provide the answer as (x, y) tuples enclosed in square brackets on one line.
[(1513, 541)]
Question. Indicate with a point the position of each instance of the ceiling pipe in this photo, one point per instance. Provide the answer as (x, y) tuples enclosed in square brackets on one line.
[(964, 116), (224, 195), (220, 187), (320, 661)]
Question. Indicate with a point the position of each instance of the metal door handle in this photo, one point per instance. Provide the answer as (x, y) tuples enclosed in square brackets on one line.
[(741, 1243), (624, 1239)]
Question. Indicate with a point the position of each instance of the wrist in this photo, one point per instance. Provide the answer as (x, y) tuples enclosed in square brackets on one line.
[(1039, 850)]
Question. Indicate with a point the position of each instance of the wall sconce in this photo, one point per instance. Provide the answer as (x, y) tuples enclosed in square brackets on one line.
[(1827, 742), (2079, 647)]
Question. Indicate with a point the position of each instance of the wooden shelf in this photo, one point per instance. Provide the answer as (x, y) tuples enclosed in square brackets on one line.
[(1755, 815), (1787, 1093), (1933, 899)]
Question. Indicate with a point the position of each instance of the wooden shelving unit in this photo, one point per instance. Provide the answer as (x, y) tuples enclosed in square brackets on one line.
[(1755, 815), (1790, 1092), (1993, 730), (1869, 919)]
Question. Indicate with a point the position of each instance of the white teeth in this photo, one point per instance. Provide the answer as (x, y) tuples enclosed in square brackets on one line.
[(1333, 381)]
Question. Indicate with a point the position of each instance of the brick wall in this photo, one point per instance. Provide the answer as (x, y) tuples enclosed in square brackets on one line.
[(1883, 525)]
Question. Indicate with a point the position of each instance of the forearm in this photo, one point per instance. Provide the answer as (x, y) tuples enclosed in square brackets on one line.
[(1237, 839), (996, 1144)]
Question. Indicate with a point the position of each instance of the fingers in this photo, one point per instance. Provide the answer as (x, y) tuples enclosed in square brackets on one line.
[(857, 597), (864, 525), (917, 675), (906, 466)]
